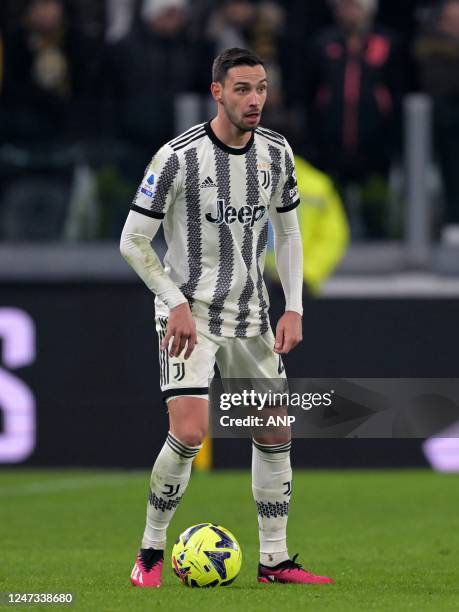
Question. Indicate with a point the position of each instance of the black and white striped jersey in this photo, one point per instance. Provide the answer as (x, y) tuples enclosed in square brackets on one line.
[(215, 201)]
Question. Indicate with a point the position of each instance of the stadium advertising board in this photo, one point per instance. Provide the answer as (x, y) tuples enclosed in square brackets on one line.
[(79, 374)]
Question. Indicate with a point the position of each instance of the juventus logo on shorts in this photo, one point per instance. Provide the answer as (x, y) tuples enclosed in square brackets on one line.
[(288, 490), (179, 371), (265, 178)]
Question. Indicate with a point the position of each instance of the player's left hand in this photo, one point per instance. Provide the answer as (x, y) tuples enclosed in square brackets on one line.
[(289, 332)]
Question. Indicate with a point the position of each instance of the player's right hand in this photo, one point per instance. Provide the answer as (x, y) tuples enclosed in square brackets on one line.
[(182, 328)]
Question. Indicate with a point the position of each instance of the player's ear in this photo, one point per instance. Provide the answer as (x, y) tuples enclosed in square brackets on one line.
[(216, 91)]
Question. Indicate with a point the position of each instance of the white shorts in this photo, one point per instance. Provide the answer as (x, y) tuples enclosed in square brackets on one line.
[(235, 357)]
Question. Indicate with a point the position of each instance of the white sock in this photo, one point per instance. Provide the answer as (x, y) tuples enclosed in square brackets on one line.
[(272, 487), (169, 479)]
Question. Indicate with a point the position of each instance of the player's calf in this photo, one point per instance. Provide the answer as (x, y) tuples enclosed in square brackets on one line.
[(169, 479)]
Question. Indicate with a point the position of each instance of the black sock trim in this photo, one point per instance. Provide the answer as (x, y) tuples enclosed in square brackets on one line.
[(183, 454), (271, 445), (185, 447), (278, 448), (182, 449)]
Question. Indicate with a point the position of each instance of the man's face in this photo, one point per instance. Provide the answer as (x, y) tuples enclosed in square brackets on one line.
[(243, 95)]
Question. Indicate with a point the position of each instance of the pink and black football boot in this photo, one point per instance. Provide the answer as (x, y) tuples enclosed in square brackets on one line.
[(148, 568), (289, 572)]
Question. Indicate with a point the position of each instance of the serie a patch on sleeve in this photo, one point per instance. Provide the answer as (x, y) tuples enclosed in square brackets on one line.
[(148, 186)]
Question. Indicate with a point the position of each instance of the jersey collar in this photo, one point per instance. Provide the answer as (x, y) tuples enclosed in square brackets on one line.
[(221, 145)]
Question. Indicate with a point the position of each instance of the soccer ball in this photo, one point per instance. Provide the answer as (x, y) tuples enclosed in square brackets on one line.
[(206, 555)]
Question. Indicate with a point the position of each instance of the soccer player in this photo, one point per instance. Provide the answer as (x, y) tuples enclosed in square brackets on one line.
[(213, 189)]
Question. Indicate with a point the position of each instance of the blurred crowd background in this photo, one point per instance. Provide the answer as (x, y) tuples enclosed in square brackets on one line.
[(89, 89), (366, 92)]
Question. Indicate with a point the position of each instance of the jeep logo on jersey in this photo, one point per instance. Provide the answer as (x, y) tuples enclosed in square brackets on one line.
[(246, 215)]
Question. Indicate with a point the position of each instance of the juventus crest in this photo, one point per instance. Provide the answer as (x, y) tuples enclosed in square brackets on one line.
[(265, 178), (179, 371)]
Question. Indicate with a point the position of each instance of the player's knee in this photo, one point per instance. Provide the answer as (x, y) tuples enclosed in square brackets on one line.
[(193, 438), (188, 418), (273, 438)]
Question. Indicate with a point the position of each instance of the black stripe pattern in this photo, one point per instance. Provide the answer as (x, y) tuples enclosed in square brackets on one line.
[(186, 135), (163, 354), (263, 305), (288, 203), (194, 226), (165, 180), (271, 136), (251, 199), (226, 253), (186, 452), (273, 448), (188, 141), (272, 510), (276, 161), (275, 157), (161, 504)]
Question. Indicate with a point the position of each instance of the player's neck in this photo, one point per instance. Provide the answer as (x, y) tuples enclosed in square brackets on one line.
[(228, 133)]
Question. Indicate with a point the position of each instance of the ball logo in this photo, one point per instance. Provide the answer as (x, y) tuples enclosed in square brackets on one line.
[(246, 215)]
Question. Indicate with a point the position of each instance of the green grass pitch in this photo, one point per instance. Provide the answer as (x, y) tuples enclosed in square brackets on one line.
[(390, 540)]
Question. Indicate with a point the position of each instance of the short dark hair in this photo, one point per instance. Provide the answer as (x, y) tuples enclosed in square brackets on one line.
[(231, 58)]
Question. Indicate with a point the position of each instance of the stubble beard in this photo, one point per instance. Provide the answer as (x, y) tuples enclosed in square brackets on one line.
[(240, 126)]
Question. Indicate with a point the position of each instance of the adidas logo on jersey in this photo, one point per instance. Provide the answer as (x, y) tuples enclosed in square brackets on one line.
[(208, 182), (246, 215)]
